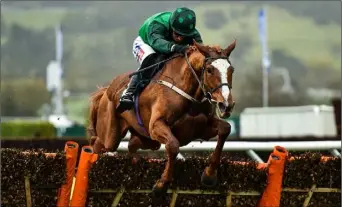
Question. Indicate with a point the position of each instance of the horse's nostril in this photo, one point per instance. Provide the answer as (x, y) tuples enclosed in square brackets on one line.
[(222, 107)]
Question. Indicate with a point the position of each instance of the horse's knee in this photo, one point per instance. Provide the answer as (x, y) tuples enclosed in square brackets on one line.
[(172, 146), (161, 132), (225, 128)]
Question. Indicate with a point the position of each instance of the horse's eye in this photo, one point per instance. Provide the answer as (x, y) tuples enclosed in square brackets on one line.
[(210, 70)]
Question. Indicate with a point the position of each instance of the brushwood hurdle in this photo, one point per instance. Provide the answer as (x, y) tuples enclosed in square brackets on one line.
[(39, 178)]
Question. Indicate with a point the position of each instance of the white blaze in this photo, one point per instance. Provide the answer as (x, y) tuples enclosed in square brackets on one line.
[(222, 65)]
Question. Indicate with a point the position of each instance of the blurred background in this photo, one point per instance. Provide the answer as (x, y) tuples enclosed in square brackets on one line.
[(55, 53)]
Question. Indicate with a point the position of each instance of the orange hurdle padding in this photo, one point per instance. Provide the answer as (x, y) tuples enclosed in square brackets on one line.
[(276, 165), (71, 151), (87, 158)]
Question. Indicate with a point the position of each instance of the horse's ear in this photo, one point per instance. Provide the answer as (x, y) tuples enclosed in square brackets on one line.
[(203, 49), (229, 49)]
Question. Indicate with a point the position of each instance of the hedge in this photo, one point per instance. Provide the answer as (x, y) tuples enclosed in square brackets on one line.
[(114, 172), (27, 129), (302, 173), (46, 175)]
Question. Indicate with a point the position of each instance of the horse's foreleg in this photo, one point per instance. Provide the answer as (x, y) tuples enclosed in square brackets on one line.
[(209, 176), (160, 131)]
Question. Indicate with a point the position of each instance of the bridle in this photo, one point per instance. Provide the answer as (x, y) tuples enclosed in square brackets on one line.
[(207, 93)]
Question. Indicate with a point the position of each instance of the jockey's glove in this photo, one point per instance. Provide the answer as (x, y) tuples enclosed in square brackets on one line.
[(179, 48)]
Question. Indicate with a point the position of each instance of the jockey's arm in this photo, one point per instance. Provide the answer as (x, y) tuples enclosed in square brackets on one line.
[(197, 37), (156, 39)]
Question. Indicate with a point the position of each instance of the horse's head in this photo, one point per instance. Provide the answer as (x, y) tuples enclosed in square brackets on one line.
[(216, 75)]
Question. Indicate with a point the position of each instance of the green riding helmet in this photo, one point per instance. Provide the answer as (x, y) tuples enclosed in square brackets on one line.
[(183, 21)]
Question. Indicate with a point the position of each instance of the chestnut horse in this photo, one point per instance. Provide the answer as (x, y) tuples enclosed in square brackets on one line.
[(184, 101)]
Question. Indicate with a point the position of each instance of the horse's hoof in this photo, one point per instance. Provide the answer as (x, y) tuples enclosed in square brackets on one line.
[(160, 189), (208, 181)]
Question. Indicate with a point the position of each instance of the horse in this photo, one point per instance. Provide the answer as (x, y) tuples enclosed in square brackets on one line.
[(187, 99)]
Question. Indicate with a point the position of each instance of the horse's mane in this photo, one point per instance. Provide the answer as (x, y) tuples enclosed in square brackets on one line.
[(196, 58), (217, 49)]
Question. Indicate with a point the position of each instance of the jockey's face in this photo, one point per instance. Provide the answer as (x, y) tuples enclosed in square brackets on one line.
[(177, 37)]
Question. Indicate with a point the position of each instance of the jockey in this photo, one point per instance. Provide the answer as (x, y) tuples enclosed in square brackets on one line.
[(160, 36)]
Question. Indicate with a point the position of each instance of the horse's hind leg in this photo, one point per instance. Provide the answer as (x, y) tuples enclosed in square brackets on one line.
[(96, 143), (137, 142), (222, 129)]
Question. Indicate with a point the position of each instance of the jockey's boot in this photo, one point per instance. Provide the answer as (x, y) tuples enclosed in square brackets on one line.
[(127, 97)]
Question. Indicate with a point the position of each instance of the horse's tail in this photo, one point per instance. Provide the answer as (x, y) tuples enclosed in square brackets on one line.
[(94, 105)]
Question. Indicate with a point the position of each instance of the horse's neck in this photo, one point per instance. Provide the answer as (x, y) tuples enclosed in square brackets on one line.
[(191, 84), (183, 78), (195, 88)]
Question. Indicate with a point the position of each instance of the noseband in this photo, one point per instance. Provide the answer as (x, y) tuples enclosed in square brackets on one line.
[(207, 93)]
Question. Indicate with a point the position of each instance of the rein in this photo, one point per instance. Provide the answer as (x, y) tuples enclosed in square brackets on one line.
[(151, 66)]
